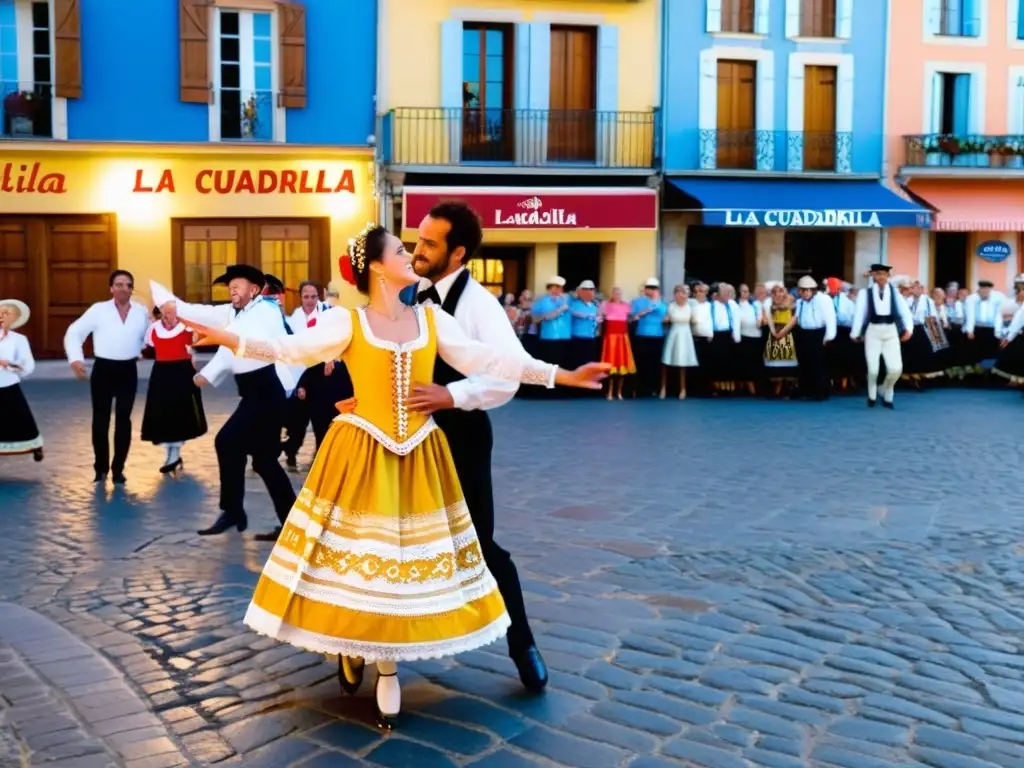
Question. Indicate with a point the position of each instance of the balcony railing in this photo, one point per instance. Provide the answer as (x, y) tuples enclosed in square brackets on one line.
[(27, 110), (246, 116), (520, 137), (778, 151), (965, 151)]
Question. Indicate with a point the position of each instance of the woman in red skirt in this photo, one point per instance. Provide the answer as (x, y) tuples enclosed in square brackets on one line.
[(616, 349)]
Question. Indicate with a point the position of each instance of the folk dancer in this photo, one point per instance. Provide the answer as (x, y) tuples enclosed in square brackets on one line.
[(814, 327), (955, 318), (553, 316), (983, 327), (1010, 364), (752, 319), (254, 429), (920, 356), (648, 312), (174, 404), (780, 353), (699, 383), (586, 337), (845, 363), (679, 353), (616, 350), (449, 236), (725, 340), (885, 321), (118, 329), (19, 433)]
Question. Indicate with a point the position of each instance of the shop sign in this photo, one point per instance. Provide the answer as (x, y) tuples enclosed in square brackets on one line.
[(543, 208), (29, 179), (994, 251), (829, 217), (259, 182)]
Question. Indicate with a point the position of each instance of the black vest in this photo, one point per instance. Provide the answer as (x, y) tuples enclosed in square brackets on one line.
[(444, 374), (893, 317)]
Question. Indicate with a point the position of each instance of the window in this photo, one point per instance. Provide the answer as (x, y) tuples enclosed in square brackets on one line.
[(41, 43), (960, 18), (487, 57), (490, 273), (245, 65), (284, 253), (25, 70), (206, 253), (1019, 27), (818, 18), (951, 103), (738, 15)]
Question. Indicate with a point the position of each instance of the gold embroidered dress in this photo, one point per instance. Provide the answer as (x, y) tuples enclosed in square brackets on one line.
[(780, 353), (379, 558)]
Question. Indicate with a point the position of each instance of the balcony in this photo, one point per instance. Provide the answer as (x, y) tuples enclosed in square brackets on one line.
[(245, 116), (26, 110), (524, 138), (776, 151), (945, 154)]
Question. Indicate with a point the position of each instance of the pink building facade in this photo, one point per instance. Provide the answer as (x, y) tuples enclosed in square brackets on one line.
[(955, 138)]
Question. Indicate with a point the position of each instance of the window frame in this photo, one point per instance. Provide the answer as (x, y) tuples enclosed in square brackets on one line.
[(936, 37), (508, 33), (25, 34)]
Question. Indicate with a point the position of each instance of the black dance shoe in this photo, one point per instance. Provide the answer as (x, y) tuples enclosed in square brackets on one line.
[(532, 669), (350, 675), (101, 477), (871, 403), (888, 404), (174, 466), (386, 721), (225, 523), (292, 463), (269, 536), (119, 478), (37, 454)]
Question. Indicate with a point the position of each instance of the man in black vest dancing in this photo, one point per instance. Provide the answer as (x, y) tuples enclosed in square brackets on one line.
[(885, 321), (448, 238)]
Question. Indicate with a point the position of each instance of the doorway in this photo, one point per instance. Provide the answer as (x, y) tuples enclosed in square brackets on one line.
[(500, 270), (578, 262), (950, 259), (719, 255), (737, 105), (818, 253), (572, 117)]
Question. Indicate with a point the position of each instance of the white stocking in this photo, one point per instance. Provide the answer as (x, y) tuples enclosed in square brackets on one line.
[(389, 693)]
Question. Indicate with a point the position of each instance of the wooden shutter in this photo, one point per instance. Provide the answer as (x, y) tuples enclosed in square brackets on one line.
[(194, 46), (68, 49), (293, 56)]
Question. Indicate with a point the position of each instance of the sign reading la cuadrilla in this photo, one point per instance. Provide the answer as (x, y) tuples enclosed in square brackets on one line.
[(529, 208)]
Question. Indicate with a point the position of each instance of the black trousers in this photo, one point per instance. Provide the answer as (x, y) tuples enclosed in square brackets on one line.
[(471, 440), (647, 352), (113, 385), (550, 351), (254, 429), (812, 370), (322, 394)]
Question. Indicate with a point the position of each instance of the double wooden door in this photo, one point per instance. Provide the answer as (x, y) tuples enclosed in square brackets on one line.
[(572, 122), (59, 266), (819, 140)]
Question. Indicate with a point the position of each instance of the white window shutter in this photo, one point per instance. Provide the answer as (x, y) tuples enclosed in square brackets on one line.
[(844, 19), (451, 64), (1013, 20), (714, 16), (761, 17), (792, 18), (933, 16), (540, 65), (522, 64), (935, 119), (1015, 118), (607, 68)]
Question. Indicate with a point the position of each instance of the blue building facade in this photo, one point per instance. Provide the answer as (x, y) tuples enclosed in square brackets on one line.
[(771, 173)]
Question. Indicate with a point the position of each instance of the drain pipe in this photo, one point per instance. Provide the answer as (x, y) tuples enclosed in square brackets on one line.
[(885, 120), (662, 132)]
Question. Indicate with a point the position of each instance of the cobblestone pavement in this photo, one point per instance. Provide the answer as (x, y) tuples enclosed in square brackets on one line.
[(715, 583)]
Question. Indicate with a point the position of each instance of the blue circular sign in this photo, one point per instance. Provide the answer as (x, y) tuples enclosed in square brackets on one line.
[(994, 251)]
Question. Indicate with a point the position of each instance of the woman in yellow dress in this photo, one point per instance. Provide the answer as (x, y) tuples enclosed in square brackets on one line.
[(780, 350), (378, 560)]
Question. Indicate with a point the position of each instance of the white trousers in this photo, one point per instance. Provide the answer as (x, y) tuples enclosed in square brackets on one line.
[(882, 340)]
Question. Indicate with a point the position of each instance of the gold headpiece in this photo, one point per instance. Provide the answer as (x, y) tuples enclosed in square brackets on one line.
[(357, 247)]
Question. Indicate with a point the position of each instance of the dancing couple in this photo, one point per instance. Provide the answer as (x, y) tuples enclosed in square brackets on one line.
[(379, 560)]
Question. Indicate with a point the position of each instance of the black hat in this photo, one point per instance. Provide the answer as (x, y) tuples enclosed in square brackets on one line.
[(274, 286), (880, 268), (984, 283), (243, 271)]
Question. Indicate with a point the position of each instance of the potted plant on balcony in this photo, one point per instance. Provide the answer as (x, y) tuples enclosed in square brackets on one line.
[(1011, 152), (933, 152), (950, 147), (973, 152), (250, 119), (20, 107)]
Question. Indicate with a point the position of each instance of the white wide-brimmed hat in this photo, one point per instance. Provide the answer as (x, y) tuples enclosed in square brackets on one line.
[(21, 308), (807, 282), (652, 282), (556, 280), (587, 285)]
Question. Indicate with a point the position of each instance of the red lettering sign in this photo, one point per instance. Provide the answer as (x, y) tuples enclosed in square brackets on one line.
[(532, 208), (29, 179), (261, 182)]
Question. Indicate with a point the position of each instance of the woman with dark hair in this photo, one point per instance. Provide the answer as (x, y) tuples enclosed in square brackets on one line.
[(379, 560)]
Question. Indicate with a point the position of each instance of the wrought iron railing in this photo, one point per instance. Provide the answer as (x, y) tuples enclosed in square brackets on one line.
[(246, 115), (27, 110), (520, 137), (964, 150), (778, 151)]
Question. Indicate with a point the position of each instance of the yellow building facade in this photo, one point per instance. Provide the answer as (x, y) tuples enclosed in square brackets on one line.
[(178, 214), (548, 110)]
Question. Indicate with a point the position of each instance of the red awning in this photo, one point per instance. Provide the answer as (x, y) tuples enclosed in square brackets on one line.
[(531, 208), (967, 206)]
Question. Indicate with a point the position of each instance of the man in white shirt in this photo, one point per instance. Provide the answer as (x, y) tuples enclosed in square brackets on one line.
[(118, 329), (448, 237), (815, 328), (983, 325), (884, 318), (254, 429)]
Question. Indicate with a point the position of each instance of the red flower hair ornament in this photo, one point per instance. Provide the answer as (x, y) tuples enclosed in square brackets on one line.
[(355, 259)]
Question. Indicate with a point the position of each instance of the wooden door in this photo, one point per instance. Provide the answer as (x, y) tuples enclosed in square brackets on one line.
[(820, 118), (80, 254), (17, 280), (736, 143), (573, 120)]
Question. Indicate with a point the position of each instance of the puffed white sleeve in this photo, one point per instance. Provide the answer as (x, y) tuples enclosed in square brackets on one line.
[(470, 357), (23, 357), (78, 332), (212, 315), (860, 314), (322, 343), (218, 368)]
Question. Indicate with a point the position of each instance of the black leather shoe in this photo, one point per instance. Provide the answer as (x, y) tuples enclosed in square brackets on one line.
[(871, 403), (532, 669), (101, 477), (350, 674), (269, 536), (292, 463), (889, 405), (120, 478), (225, 523)]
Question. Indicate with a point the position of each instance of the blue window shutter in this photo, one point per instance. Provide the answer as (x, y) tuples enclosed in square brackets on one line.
[(1018, 30), (970, 20), (607, 68), (933, 16), (522, 62), (844, 19), (540, 66), (961, 104), (451, 64), (761, 19), (714, 16), (792, 18)]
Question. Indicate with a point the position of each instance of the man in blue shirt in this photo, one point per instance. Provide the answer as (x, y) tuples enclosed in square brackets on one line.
[(586, 337), (551, 312), (648, 311)]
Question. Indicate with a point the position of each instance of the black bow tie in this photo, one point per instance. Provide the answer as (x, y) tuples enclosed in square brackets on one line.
[(428, 293)]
